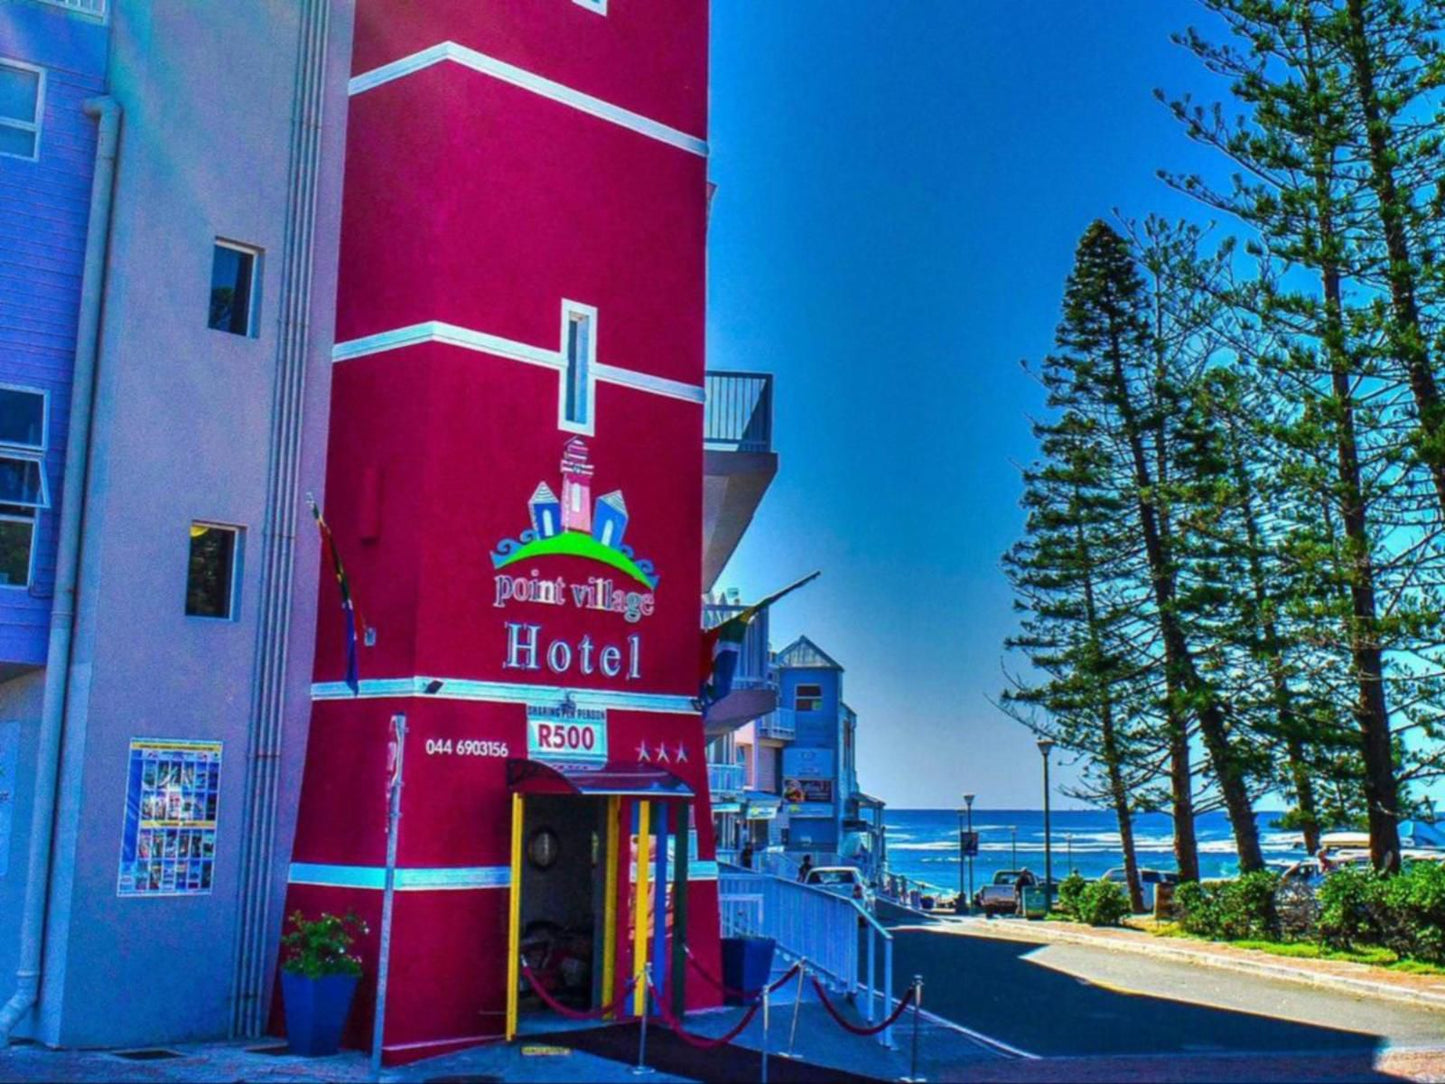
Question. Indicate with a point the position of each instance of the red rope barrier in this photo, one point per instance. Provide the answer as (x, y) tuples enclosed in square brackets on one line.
[(746, 995), (577, 1014), (697, 1041), (906, 1001)]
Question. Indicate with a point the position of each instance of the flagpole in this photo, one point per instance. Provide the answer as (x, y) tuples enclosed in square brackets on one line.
[(388, 896)]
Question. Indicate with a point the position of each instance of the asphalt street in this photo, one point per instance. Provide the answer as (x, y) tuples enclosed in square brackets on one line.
[(1080, 1001)]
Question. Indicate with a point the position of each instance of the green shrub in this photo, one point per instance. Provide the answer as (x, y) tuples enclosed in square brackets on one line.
[(1245, 909), (1070, 889), (1196, 909), (1413, 918), (1103, 903), (322, 946), (1352, 908)]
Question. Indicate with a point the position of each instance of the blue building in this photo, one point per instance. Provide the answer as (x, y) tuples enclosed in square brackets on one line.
[(609, 522), (546, 511)]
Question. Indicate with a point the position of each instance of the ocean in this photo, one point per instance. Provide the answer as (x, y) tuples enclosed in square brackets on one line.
[(923, 843)]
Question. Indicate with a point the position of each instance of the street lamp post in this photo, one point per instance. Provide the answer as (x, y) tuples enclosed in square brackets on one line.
[(1013, 833), (1046, 746), (968, 806)]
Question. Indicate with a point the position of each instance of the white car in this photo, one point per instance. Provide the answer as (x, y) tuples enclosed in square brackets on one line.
[(841, 881)]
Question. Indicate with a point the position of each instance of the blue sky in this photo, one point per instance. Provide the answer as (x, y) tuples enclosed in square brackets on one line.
[(900, 189)]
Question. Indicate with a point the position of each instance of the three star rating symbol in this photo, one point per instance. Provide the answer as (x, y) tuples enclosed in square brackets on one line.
[(646, 756)]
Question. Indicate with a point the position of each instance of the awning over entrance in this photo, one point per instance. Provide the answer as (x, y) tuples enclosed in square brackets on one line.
[(611, 778)]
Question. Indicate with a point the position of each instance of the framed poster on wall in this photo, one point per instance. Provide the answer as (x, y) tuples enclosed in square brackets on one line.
[(168, 840)]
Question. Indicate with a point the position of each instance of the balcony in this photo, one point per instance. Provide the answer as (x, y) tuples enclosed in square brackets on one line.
[(725, 779), (753, 692), (780, 725), (94, 8), (738, 462)]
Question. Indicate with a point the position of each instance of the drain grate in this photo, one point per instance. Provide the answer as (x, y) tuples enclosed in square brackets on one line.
[(148, 1055)]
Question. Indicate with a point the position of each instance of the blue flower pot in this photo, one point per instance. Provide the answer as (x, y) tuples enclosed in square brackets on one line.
[(316, 1011)]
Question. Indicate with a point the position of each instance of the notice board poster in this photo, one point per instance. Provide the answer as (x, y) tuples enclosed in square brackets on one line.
[(168, 843)]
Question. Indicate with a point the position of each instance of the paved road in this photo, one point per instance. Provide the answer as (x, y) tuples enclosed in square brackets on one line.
[(1080, 1001)]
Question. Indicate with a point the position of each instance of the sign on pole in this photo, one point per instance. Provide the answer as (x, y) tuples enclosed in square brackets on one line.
[(968, 844)]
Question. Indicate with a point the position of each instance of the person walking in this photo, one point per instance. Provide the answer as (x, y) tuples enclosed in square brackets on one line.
[(806, 868), (747, 856)]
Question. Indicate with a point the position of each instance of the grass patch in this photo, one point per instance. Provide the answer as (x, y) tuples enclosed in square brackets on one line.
[(1310, 950)]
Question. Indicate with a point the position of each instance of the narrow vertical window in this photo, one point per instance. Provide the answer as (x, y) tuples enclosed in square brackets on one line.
[(23, 489), (22, 98), (579, 347), (211, 574), (599, 6), (233, 288)]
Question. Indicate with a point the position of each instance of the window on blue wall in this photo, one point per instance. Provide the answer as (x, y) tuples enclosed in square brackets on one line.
[(807, 698), (23, 488), (22, 101), (211, 574), (233, 288)]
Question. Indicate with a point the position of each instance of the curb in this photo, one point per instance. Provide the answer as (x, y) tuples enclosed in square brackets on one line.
[(1263, 968)]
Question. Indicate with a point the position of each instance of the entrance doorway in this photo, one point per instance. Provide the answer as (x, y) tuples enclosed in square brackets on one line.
[(563, 914)]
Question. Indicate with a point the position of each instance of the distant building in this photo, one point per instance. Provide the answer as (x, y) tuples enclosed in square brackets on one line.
[(576, 487), (546, 511), (610, 523)]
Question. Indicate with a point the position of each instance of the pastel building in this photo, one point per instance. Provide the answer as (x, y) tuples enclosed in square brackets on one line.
[(521, 278), (169, 209)]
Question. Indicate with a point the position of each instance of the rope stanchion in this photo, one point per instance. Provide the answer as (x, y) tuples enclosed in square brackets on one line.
[(903, 1004), (578, 1014), (747, 995), (701, 1042)]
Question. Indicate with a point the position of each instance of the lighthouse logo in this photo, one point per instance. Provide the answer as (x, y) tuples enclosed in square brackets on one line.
[(575, 525)]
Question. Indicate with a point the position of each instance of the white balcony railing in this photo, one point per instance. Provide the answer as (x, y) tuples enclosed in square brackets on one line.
[(726, 778), (95, 8), (752, 668), (780, 724)]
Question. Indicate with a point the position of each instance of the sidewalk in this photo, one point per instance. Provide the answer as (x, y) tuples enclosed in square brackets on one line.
[(1363, 980)]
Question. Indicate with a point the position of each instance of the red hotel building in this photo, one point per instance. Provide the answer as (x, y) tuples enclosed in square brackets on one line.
[(515, 475)]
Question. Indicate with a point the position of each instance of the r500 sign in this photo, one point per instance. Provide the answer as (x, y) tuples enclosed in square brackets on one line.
[(567, 740)]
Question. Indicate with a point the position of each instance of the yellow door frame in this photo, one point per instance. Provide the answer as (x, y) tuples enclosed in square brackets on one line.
[(639, 907), (514, 919)]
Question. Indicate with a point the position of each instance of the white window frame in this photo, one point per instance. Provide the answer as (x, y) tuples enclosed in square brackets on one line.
[(38, 123), (253, 305), (599, 6), (233, 610), (587, 392), (33, 454)]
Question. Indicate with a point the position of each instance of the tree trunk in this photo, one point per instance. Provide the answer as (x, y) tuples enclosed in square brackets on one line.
[(1407, 338), (1289, 726), (1181, 796), (1177, 657)]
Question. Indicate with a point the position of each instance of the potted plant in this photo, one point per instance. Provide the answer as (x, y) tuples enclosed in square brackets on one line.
[(319, 974)]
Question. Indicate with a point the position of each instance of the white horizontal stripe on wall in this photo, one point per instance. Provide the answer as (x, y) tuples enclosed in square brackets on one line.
[(537, 84), (437, 331), (503, 692), (441, 879)]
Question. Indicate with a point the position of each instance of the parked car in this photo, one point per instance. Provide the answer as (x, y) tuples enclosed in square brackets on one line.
[(842, 881), (1148, 880), (1003, 896)]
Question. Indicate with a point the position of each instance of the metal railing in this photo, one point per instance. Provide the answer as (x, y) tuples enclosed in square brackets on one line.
[(725, 778), (96, 8), (780, 724), (810, 924), (739, 412)]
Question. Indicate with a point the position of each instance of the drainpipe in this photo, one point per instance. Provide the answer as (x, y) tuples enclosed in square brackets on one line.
[(67, 570)]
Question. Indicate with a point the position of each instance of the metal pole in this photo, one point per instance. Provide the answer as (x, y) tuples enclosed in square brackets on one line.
[(766, 997), (968, 801), (1048, 837), (917, 1004), (641, 1069), (962, 859), (887, 1035), (872, 973), (1014, 836), (388, 897), (797, 1004)]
